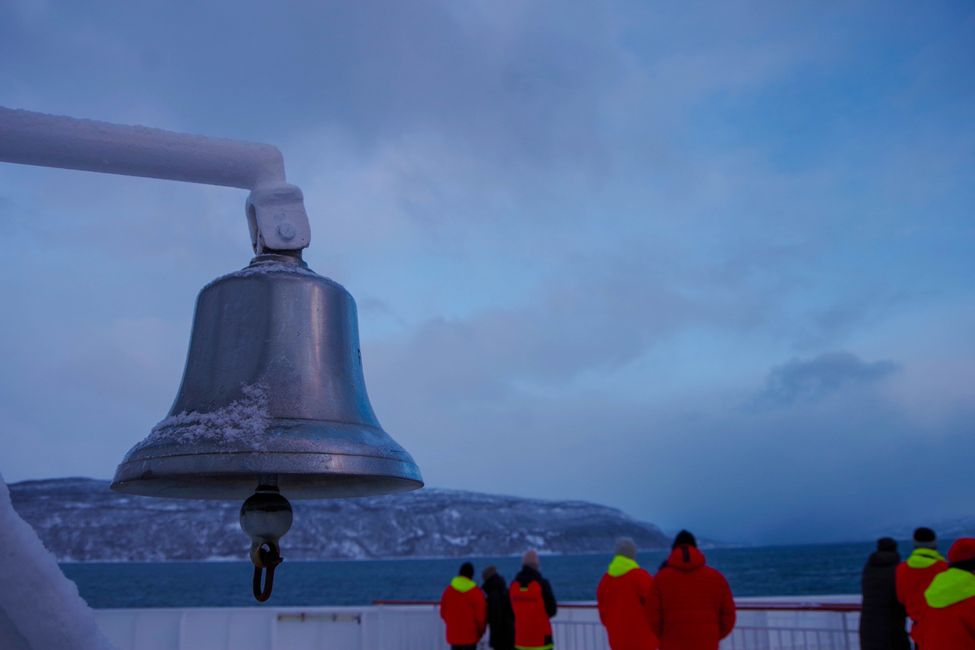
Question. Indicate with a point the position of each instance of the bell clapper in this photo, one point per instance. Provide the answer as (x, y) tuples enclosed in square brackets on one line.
[(267, 556), (265, 516)]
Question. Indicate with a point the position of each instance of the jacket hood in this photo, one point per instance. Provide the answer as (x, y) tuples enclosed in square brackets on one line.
[(922, 558), (621, 565), (950, 587), (463, 584), (884, 558), (528, 574), (494, 583), (685, 558)]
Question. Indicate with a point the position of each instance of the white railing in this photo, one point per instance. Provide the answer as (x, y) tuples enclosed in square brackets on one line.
[(762, 625), (795, 626)]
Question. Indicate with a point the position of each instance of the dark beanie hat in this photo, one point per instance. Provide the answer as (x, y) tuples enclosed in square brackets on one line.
[(886, 544), (684, 538), (467, 570), (925, 538)]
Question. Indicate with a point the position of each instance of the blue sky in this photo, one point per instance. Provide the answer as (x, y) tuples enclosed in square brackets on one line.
[(710, 264)]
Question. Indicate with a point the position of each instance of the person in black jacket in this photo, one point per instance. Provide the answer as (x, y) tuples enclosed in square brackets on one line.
[(883, 619), (501, 618)]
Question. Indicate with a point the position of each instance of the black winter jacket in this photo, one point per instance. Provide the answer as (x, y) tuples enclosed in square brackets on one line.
[(883, 617), (500, 616)]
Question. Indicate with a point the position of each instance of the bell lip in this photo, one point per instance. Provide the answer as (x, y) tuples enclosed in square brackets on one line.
[(240, 487), (237, 475)]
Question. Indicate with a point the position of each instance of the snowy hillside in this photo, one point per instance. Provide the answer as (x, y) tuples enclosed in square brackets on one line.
[(82, 520), (947, 529)]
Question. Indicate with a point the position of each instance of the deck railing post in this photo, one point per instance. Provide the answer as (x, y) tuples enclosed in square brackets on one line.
[(846, 632)]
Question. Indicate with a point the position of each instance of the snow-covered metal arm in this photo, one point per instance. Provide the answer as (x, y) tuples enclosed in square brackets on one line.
[(275, 209)]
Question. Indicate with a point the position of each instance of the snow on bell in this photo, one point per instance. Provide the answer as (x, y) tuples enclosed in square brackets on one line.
[(273, 394)]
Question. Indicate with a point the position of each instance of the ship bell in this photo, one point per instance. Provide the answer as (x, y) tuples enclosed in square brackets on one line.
[(273, 394)]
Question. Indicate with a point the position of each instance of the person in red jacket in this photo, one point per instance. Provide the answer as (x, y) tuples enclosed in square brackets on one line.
[(695, 608), (626, 601), (949, 618), (914, 575), (464, 610), (534, 604)]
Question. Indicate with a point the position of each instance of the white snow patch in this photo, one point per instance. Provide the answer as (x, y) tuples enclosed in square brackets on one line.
[(350, 549), (265, 268), (271, 267), (39, 607), (241, 422)]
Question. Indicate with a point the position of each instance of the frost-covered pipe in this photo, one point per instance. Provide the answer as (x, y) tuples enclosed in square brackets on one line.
[(275, 209), (57, 141)]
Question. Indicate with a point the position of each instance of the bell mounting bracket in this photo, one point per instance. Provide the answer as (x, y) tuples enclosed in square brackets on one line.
[(275, 209)]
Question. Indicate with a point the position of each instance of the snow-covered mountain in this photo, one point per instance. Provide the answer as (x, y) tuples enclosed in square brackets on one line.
[(81, 519), (946, 529)]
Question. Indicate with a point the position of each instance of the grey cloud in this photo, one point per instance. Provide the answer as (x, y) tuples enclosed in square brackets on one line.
[(576, 323), (505, 81), (826, 472), (808, 380)]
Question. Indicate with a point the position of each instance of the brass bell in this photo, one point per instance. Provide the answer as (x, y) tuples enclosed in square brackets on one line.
[(273, 394)]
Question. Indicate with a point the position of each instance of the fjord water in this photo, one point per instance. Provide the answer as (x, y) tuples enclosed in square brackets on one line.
[(752, 571)]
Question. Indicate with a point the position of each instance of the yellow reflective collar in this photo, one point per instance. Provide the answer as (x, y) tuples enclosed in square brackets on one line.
[(922, 558), (462, 584), (621, 565), (950, 587)]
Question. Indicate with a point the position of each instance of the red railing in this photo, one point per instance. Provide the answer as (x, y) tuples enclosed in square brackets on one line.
[(753, 606), (745, 606)]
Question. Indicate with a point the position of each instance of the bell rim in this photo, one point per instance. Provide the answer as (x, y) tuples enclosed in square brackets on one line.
[(218, 476)]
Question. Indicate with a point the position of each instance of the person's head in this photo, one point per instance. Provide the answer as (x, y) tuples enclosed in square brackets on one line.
[(684, 538), (626, 547), (488, 572), (530, 558), (466, 570), (961, 555), (887, 544), (925, 538)]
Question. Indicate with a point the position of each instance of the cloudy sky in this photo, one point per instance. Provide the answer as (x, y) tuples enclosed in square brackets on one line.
[(712, 264)]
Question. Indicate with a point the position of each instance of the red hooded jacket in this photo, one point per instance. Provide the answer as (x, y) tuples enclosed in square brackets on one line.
[(534, 604), (464, 610), (626, 602), (695, 608), (912, 578), (949, 619)]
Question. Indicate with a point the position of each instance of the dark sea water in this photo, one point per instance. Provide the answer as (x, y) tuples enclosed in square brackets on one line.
[(755, 571)]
